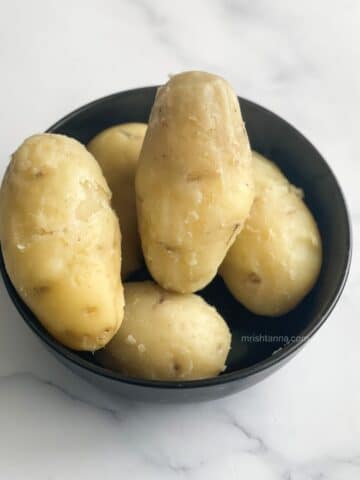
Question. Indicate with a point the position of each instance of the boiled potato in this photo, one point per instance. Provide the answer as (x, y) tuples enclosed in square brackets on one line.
[(61, 241), (117, 151), (276, 259), (167, 336), (194, 185)]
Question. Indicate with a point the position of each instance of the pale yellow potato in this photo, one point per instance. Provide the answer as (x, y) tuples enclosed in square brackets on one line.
[(61, 240), (194, 185), (117, 150), (276, 259), (167, 336)]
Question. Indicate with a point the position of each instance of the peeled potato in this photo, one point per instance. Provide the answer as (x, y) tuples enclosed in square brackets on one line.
[(61, 240), (117, 150), (167, 336), (276, 259), (194, 184)]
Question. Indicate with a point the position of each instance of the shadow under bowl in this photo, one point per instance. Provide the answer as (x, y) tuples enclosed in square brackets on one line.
[(260, 345)]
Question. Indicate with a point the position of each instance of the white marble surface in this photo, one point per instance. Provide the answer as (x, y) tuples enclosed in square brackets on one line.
[(300, 59)]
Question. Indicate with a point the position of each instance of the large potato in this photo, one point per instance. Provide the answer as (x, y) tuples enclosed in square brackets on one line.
[(117, 151), (194, 184), (167, 336), (61, 241), (276, 259)]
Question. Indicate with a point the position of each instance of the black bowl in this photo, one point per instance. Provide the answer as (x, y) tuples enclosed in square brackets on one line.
[(260, 345)]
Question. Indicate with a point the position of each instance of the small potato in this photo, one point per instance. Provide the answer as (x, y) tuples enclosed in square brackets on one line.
[(61, 240), (194, 185), (276, 259), (167, 336), (117, 150)]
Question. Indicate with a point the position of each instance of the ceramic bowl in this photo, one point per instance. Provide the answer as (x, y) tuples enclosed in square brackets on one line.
[(260, 345)]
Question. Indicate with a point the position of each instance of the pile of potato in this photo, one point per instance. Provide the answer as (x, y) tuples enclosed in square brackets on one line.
[(185, 194)]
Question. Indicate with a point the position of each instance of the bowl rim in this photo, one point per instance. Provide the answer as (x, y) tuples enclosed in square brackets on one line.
[(276, 358)]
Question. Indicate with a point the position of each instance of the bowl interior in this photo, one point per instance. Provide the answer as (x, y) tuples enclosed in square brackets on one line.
[(257, 341)]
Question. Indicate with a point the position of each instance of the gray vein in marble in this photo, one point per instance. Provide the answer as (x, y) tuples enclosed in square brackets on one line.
[(288, 470), (164, 35), (245, 9), (153, 16), (21, 376), (177, 468), (317, 468), (259, 13), (158, 22), (260, 446)]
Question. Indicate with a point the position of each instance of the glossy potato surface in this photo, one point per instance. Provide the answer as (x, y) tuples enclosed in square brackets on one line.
[(167, 336), (117, 151), (194, 185), (276, 259), (61, 240)]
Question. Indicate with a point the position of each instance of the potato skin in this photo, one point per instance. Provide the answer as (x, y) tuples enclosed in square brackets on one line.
[(117, 151), (194, 184), (61, 240), (276, 259), (167, 336)]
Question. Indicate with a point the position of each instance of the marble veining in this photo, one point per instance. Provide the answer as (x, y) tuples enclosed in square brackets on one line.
[(298, 59)]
